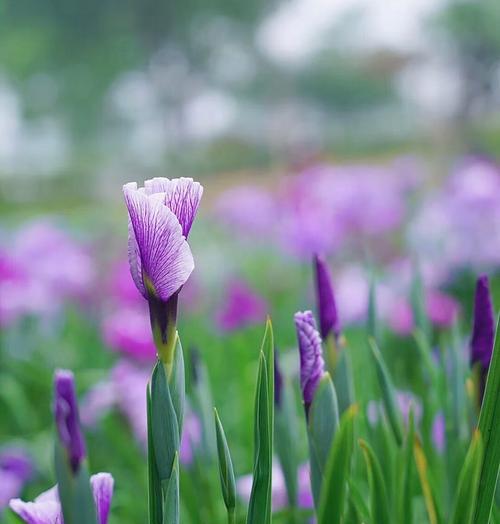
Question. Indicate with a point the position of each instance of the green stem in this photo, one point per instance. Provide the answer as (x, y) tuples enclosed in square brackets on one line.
[(231, 516)]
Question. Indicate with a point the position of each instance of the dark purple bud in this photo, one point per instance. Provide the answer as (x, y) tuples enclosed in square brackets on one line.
[(67, 418), (312, 365), (327, 309), (278, 381), (483, 332)]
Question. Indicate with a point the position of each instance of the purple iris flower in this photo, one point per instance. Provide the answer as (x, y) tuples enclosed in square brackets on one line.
[(327, 308), (483, 331), (67, 418), (312, 365), (15, 469), (46, 508), (160, 217)]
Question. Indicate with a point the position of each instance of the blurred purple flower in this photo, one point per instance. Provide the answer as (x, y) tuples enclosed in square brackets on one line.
[(161, 215), (328, 317), (312, 366), (278, 491), (248, 209), (15, 469), (67, 418), (439, 432), (128, 331), (278, 380), (242, 306), (483, 331), (123, 289), (404, 399), (191, 438), (46, 508)]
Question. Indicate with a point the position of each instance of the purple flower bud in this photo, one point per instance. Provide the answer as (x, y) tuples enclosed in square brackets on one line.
[(278, 381), (328, 318), (160, 217), (483, 332), (67, 418), (102, 488), (311, 355)]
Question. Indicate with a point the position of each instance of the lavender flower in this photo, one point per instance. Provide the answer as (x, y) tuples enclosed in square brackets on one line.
[(160, 217), (483, 332), (46, 508), (311, 355), (328, 317), (67, 418), (439, 432), (15, 469)]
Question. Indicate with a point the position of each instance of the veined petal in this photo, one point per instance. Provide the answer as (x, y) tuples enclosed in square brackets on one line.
[(165, 257), (312, 365), (182, 197), (102, 488), (45, 509)]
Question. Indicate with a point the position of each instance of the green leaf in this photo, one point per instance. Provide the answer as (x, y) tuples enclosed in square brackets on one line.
[(379, 503), (465, 497), (259, 509), (226, 471), (357, 500), (405, 508), (170, 490), (417, 297), (155, 497), (323, 421), (165, 429), (176, 384), (427, 491), (372, 327), (388, 393), (74, 490), (425, 352), (489, 427), (334, 487), (342, 378)]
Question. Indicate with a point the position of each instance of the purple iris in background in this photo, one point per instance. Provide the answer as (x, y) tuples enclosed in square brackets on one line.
[(67, 418), (15, 469), (327, 308), (483, 331), (46, 508), (241, 307), (312, 365), (160, 217)]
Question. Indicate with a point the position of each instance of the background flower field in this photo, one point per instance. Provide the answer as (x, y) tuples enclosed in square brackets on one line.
[(381, 155)]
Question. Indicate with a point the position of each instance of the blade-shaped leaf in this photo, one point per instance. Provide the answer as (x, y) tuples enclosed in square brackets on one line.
[(372, 327), (334, 487), (155, 497), (176, 384), (405, 499), (323, 421), (465, 497), (379, 503), (226, 471), (170, 489), (388, 393), (422, 468), (489, 427)]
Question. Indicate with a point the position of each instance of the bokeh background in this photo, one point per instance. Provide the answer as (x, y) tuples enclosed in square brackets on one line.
[(367, 131)]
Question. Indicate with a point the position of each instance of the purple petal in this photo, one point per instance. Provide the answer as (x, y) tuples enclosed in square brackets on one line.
[(439, 432), (16, 461), (102, 488), (483, 331), (45, 509), (328, 317), (160, 252), (67, 418), (182, 197), (311, 355)]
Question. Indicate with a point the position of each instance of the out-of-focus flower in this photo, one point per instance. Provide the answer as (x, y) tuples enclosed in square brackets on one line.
[(248, 209), (278, 381), (128, 331), (160, 217), (191, 438), (15, 469), (312, 365), (439, 432), (442, 309), (278, 491), (328, 317), (405, 400), (67, 418), (483, 331), (241, 307), (46, 508)]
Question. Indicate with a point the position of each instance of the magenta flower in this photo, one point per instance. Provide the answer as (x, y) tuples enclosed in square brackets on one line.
[(67, 418), (46, 508), (483, 331), (242, 307), (160, 217), (327, 308), (312, 366)]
